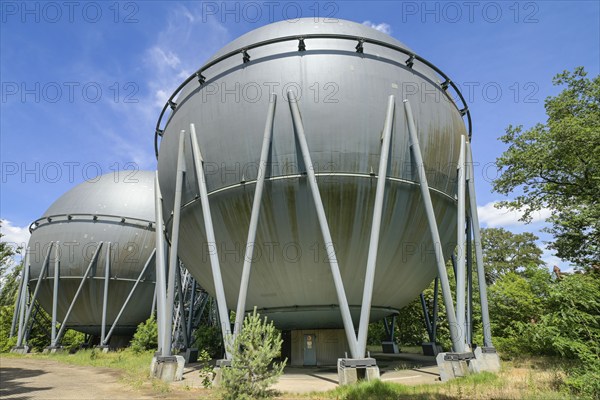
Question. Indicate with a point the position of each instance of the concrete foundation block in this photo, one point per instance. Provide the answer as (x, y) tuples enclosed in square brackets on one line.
[(191, 356), (372, 373), (20, 350), (104, 349), (389, 347), (431, 349), (53, 350), (168, 369), (451, 368), (218, 372), (486, 359), (351, 371)]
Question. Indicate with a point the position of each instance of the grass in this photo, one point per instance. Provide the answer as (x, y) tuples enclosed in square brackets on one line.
[(521, 379)]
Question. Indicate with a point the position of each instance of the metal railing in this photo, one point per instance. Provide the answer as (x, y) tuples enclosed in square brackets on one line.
[(301, 39), (89, 217)]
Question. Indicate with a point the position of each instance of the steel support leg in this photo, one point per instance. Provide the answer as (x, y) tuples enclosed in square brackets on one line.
[(428, 326), (469, 323), (457, 343), (211, 241), (105, 298), (35, 292), (460, 244), (55, 293), (191, 311), (485, 316), (22, 308), (314, 188), (173, 256), (256, 204), (135, 285), (435, 309), (160, 266), (13, 325), (365, 309), (186, 341), (63, 325)]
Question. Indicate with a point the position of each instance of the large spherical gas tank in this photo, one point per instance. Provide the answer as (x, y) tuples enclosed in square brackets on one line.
[(342, 96), (116, 208)]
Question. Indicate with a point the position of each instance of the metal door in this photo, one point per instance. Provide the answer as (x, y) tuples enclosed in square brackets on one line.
[(310, 350)]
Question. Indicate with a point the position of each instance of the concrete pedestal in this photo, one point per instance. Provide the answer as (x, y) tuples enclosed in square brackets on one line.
[(104, 348), (53, 350), (168, 369), (389, 347), (486, 359), (352, 370), (431, 349), (191, 356), (20, 349), (218, 377), (453, 365)]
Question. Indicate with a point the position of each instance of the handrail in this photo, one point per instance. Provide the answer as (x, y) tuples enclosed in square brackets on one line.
[(302, 47), (93, 217)]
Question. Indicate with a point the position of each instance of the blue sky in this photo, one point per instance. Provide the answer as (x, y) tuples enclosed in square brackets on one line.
[(83, 82)]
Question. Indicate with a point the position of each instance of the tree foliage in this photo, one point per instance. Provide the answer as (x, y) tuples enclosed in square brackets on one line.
[(252, 369), (504, 252), (146, 336), (556, 165)]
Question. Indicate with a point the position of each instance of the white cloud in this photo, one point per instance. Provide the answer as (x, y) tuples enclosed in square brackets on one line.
[(180, 49), (493, 217), (381, 27), (17, 236)]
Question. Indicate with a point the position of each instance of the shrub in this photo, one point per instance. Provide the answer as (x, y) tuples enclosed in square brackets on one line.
[(146, 336), (252, 369), (210, 339)]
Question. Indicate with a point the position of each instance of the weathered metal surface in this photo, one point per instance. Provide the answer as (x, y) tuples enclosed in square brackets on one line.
[(71, 222), (342, 99)]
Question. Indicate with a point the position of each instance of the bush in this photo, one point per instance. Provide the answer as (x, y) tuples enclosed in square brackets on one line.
[(146, 336), (253, 350), (209, 338)]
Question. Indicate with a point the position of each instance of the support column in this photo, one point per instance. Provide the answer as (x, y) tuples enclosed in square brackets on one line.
[(160, 267), (35, 292), (173, 256), (460, 245), (314, 188), (469, 322), (105, 298), (486, 357), (210, 239), (22, 307), (256, 204), (55, 292), (18, 299), (365, 309), (457, 343), (485, 316), (135, 285), (63, 325)]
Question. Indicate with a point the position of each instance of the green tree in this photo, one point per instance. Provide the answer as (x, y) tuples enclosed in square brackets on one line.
[(252, 369), (504, 252), (556, 165)]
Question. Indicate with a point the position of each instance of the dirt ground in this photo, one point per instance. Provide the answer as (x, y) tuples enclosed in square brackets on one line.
[(22, 378)]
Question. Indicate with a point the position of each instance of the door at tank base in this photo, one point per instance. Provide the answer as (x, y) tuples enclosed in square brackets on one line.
[(310, 350)]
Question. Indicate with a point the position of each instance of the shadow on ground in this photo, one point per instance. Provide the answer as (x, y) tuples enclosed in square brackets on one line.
[(14, 383)]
